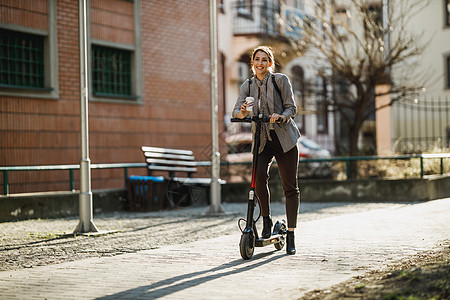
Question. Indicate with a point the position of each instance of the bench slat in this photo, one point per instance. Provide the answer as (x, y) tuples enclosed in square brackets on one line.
[(187, 180), (171, 162), (166, 150), (168, 156), (173, 169)]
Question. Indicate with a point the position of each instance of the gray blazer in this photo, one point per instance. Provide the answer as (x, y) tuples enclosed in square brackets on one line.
[(287, 133)]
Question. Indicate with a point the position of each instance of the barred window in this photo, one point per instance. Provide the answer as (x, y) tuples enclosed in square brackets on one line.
[(111, 71), (21, 60)]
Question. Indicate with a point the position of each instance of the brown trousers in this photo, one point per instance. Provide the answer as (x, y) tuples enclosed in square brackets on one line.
[(287, 167)]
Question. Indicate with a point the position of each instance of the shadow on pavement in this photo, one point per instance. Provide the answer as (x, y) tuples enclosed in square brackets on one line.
[(177, 283)]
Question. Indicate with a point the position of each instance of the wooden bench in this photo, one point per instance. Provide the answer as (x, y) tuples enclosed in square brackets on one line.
[(176, 162)]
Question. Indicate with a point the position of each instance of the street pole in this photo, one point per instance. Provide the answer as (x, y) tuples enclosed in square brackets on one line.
[(215, 206), (86, 223)]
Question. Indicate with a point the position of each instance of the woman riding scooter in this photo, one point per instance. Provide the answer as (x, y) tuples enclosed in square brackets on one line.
[(275, 99)]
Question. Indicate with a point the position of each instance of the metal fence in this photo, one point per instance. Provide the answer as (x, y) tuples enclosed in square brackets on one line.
[(421, 125), (226, 172)]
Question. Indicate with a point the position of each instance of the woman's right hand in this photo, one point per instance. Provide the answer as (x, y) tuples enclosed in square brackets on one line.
[(243, 111)]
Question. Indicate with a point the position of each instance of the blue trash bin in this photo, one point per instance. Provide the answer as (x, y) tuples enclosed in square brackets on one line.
[(146, 193)]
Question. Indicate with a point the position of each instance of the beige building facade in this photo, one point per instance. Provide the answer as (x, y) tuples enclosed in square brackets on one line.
[(421, 122)]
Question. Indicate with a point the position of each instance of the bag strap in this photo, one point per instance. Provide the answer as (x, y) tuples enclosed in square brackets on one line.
[(277, 89)]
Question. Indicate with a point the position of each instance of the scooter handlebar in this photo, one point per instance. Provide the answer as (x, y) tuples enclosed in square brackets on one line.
[(255, 119)]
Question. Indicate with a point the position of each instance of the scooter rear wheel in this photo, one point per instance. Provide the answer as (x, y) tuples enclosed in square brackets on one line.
[(246, 245)]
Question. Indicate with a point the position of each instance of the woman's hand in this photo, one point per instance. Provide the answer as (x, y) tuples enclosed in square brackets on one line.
[(274, 118), (243, 112)]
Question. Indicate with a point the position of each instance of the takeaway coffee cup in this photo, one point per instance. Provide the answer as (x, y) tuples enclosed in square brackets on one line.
[(249, 101)]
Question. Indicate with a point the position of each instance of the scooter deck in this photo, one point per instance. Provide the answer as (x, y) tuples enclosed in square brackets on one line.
[(276, 238)]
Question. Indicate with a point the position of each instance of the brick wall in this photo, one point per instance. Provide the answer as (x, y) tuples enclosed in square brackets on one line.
[(31, 13), (112, 20), (175, 111)]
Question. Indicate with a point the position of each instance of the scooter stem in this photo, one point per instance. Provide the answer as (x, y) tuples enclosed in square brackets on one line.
[(250, 211), (255, 153), (251, 194)]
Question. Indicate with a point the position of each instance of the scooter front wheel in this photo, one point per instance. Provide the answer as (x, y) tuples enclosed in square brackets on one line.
[(280, 228), (247, 245)]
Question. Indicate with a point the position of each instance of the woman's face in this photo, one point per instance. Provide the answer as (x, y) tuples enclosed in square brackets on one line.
[(261, 64)]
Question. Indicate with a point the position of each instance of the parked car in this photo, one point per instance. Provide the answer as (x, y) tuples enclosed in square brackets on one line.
[(240, 145), (310, 149)]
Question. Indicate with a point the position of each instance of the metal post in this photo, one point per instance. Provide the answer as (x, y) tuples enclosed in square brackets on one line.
[(72, 185), (421, 166), (5, 183), (125, 174), (347, 169), (215, 206), (86, 223)]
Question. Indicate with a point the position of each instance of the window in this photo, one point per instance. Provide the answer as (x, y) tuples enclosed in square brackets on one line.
[(448, 72), (374, 12), (115, 52), (322, 107), (299, 87), (375, 19), (244, 8), (447, 12), (29, 55), (342, 23), (111, 71), (21, 59)]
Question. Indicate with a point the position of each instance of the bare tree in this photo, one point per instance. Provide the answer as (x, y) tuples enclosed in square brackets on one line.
[(355, 49)]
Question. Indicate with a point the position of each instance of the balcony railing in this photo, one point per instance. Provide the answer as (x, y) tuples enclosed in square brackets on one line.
[(258, 17), (267, 18)]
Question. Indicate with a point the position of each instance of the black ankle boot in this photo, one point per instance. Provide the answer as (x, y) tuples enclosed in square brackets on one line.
[(290, 244), (267, 227)]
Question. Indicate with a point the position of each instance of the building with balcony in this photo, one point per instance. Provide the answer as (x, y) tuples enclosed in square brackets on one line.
[(412, 125), (274, 23)]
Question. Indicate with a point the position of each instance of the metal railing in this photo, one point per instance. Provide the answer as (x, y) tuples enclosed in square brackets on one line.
[(256, 18), (126, 166), (70, 168), (347, 160), (421, 124)]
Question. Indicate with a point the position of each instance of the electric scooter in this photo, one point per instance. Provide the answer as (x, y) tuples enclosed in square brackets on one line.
[(250, 237)]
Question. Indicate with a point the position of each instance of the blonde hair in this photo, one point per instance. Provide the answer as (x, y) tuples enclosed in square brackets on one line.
[(267, 50)]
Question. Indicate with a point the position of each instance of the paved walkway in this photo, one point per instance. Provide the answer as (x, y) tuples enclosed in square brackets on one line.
[(329, 251)]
